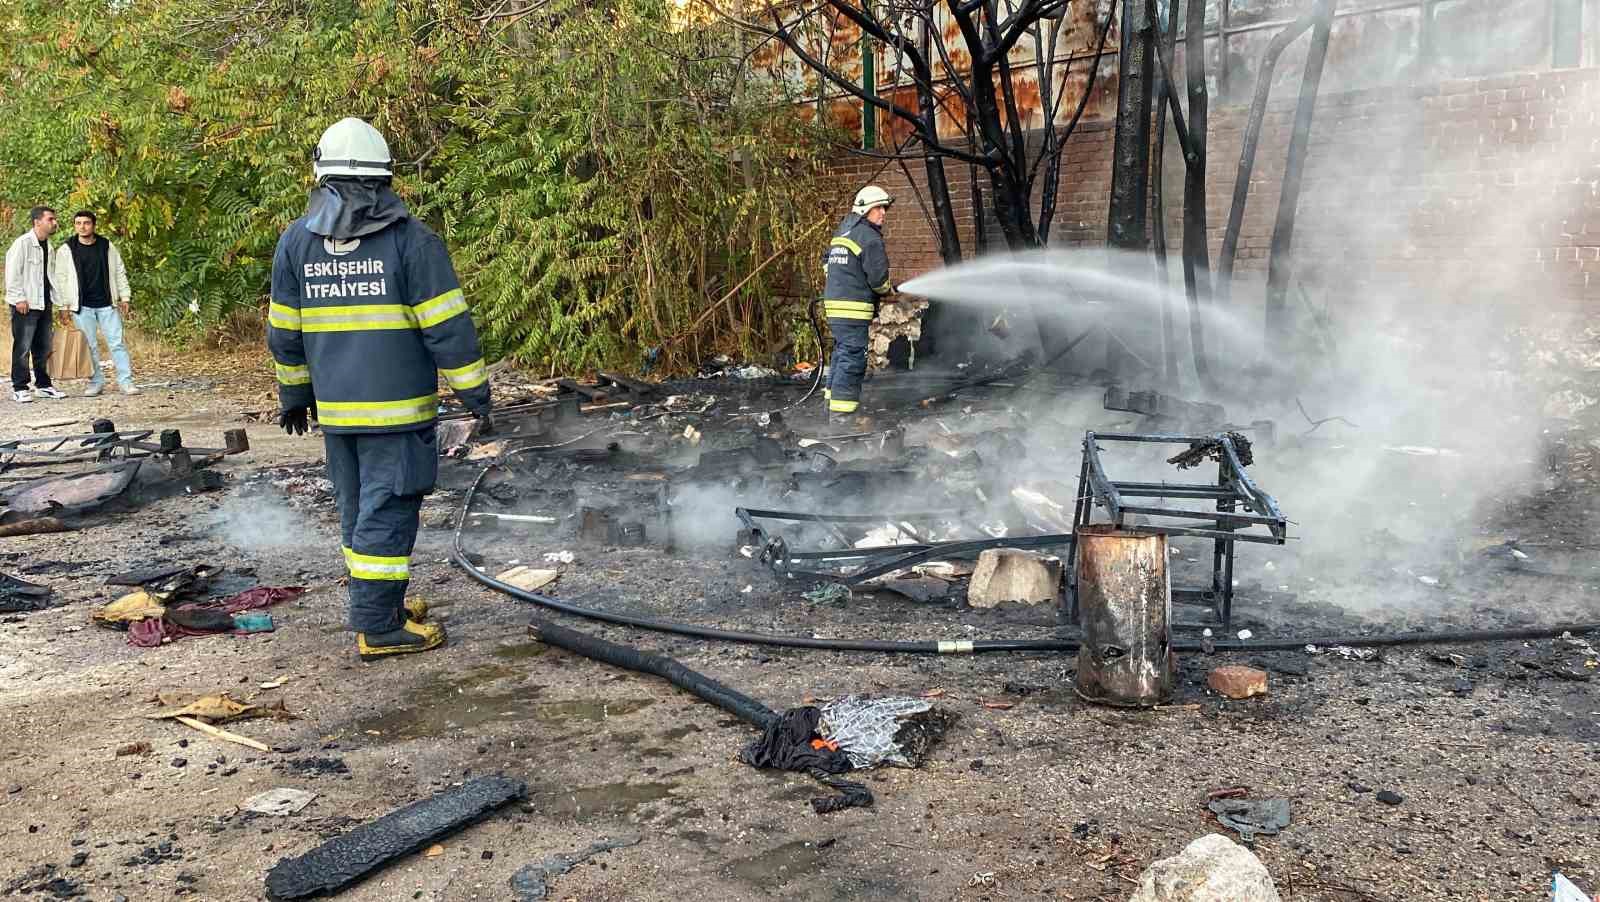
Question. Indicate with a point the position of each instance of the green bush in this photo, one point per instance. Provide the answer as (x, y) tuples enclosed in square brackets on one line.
[(603, 177)]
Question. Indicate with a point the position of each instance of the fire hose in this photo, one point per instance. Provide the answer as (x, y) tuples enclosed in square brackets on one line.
[(970, 646)]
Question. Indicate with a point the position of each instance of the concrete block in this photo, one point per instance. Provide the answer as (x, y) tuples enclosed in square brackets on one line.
[(1007, 574)]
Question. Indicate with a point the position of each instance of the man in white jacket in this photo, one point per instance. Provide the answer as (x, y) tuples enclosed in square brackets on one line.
[(28, 292), (93, 287)]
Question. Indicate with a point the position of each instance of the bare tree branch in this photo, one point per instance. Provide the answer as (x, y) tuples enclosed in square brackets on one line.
[(783, 34), (1088, 91)]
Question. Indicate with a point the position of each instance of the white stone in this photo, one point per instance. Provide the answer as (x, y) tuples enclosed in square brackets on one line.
[(1213, 868)]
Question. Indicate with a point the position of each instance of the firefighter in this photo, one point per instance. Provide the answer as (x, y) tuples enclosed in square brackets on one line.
[(857, 268), (365, 313)]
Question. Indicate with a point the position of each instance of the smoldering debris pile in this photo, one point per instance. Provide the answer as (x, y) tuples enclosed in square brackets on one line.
[(51, 483), (1000, 483)]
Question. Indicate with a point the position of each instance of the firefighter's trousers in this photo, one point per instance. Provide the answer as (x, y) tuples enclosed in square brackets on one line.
[(379, 480), (849, 365)]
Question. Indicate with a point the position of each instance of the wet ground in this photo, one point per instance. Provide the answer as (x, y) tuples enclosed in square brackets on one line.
[(1494, 753)]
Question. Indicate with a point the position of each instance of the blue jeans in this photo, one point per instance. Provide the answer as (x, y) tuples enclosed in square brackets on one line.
[(94, 321)]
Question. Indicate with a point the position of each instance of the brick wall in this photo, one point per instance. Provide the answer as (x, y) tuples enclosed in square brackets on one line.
[(1482, 186)]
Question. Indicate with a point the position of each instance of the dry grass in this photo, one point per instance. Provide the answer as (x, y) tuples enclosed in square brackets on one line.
[(235, 354)]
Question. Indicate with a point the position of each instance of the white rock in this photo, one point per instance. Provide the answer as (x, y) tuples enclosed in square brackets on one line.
[(1213, 868)]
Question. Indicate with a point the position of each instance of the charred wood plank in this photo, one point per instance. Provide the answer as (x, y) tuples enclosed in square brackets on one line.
[(345, 859)]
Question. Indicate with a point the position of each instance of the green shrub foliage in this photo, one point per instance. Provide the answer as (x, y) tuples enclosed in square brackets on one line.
[(605, 175)]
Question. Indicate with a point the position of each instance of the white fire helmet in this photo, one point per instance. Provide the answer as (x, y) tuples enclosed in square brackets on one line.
[(352, 147), (869, 197)]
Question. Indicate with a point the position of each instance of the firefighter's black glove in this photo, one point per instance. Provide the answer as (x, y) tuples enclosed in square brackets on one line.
[(297, 420), (485, 420)]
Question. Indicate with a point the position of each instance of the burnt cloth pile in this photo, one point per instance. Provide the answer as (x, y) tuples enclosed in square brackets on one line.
[(793, 743)]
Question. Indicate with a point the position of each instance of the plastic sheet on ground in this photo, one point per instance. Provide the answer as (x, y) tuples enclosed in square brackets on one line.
[(869, 730)]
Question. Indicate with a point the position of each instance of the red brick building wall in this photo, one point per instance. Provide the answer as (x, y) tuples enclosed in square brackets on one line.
[(1488, 185)]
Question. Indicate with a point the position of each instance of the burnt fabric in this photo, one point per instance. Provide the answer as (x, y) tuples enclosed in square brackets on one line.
[(849, 365), (786, 744), (379, 480), (153, 631)]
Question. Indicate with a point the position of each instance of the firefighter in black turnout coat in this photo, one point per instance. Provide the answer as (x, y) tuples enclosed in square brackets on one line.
[(857, 268), (366, 314)]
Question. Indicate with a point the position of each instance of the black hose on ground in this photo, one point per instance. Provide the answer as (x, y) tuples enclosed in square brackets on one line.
[(698, 684), (968, 646), (822, 358)]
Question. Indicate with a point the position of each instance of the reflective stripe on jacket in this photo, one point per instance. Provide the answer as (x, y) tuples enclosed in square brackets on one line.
[(857, 267), (365, 328)]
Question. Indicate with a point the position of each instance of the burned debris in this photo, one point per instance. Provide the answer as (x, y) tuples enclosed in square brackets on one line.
[(350, 857), (48, 482)]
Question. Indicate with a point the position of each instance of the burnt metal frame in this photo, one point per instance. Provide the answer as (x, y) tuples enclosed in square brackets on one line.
[(53, 450), (1262, 522), (877, 560), (43, 451)]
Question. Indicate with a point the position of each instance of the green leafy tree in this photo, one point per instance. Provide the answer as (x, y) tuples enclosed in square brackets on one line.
[(607, 179)]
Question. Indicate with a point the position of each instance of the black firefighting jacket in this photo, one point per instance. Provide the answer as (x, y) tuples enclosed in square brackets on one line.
[(364, 327), (857, 269)]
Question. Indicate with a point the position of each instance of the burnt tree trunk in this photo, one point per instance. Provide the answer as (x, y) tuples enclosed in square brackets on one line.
[(1196, 256), (1158, 227), (1130, 166), (1247, 152), (1280, 266)]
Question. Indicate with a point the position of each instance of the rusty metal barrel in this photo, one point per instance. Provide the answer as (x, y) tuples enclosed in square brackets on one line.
[(1125, 611)]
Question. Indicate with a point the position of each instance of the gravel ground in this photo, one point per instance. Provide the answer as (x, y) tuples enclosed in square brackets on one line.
[(1032, 794)]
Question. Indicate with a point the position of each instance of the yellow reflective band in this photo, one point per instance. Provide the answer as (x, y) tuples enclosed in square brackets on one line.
[(293, 375), (377, 413), (847, 309), (280, 316), (434, 311), (827, 394), (885, 288), (846, 243), (372, 566), (472, 375), (837, 406), (357, 318)]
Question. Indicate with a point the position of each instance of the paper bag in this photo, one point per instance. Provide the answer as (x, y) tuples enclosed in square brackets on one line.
[(69, 351)]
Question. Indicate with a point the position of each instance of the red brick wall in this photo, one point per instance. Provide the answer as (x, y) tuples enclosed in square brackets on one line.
[(1472, 185)]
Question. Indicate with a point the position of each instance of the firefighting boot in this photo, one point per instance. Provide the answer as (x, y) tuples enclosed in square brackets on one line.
[(851, 423), (409, 638), (416, 610)]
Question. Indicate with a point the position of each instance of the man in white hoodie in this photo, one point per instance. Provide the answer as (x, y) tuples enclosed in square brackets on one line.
[(93, 287), (28, 292)]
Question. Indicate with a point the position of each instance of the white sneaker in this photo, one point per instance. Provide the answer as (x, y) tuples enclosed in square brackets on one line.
[(128, 388), (50, 392), (93, 391), (22, 397)]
